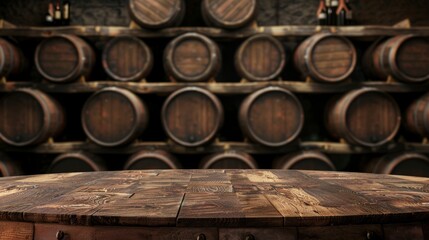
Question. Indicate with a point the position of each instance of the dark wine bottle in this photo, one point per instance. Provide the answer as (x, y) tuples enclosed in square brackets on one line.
[(66, 12), (334, 6), (49, 17), (57, 14), (341, 13), (349, 14), (331, 16), (321, 14)]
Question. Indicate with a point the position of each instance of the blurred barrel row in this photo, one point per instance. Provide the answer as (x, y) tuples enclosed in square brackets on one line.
[(401, 163), (272, 121), (193, 57), (192, 116)]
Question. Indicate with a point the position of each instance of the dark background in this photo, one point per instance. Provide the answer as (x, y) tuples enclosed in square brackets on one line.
[(270, 12)]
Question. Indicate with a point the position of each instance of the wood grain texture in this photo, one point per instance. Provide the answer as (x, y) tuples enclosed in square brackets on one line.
[(114, 116), (157, 14), (326, 58), (16, 231), (192, 116), (355, 118), (417, 116), (127, 59), (64, 58), (402, 57), (12, 61), (406, 163), (271, 116), (219, 198), (365, 33), (260, 58), (217, 88), (29, 117), (192, 57), (228, 13)]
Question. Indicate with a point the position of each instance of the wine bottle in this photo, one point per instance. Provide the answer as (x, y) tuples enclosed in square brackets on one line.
[(66, 12), (49, 17), (349, 14), (321, 13), (334, 6), (341, 13), (330, 13), (57, 14)]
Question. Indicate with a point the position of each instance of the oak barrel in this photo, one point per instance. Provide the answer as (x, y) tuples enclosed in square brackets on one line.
[(272, 116), (417, 116), (304, 160), (192, 116), (260, 58), (192, 57), (8, 167), (113, 117), (29, 117), (229, 160), (77, 162), (64, 58), (157, 14), (12, 61), (326, 58), (366, 117), (229, 14), (405, 58), (408, 163), (152, 160), (127, 59)]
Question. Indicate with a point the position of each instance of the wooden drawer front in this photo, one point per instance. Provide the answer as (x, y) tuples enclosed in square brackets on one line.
[(16, 231), (361, 232), (403, 231), (257, 233), (49, 231)]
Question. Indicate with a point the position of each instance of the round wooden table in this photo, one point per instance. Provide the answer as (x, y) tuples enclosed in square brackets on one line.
[(214, 204)]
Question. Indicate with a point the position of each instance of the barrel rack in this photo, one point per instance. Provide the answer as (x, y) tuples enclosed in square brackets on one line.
[(242, 87), (8, 29)]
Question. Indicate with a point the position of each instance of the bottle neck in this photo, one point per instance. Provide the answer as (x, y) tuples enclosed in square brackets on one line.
[(327, 3)]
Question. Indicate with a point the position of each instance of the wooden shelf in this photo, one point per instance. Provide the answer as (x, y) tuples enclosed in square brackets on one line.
[(327, 147), (215, 87), (7, 29)]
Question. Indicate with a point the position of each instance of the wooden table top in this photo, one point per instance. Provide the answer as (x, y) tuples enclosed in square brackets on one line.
[(215, 198)]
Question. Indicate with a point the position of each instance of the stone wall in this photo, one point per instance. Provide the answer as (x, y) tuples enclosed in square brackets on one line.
[(270, 12)]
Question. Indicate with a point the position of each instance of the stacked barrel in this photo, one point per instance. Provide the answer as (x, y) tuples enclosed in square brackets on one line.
[(189, 119)]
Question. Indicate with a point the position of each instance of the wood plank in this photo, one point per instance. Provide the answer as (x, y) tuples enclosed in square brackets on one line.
[(232, 87), (258, 233), (251, 148), (277, 31), (16, 231), (403, 231), (143, 209), (49, 232), (40, 189), (301, 198), (165, 233), (215, 198), (340, 232), (210, 209)]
